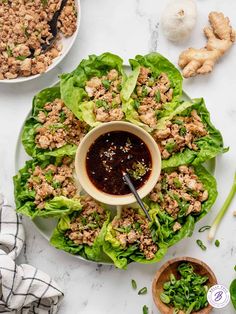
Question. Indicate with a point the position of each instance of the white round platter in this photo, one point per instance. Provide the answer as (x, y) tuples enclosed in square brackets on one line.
[(46, 226)]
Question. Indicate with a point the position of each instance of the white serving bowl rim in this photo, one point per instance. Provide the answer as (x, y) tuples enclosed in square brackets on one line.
[(67, 44)]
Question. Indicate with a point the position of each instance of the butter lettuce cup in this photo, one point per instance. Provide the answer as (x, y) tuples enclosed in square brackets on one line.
[(182, 196), (46, 188), (100, 171), (52, 129), (131, 237), (154, 86), (82, 232), (92, 90), (186, 135)]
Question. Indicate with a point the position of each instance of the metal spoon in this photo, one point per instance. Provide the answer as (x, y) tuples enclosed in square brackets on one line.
[(54, 30), (127, 179)]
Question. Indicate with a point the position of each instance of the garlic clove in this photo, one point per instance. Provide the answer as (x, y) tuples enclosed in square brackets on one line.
[(178, 19)]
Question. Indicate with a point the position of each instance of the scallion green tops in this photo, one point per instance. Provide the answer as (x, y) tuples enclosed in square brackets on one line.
[(187, 291)]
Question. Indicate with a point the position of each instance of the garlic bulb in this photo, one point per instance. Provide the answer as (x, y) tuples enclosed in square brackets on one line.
[(179, 19)]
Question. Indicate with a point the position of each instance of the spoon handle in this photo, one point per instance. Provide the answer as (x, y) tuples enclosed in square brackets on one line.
[(53, 22), (133, 190)]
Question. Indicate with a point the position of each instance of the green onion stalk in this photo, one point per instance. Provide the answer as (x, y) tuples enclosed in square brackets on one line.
[(222, 211)]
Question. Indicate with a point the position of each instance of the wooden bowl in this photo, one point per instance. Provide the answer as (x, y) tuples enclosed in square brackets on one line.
[(170, 267)]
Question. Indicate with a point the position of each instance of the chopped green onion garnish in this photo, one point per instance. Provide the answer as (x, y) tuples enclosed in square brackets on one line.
[(164, 298), (21, 58), (204, 228), (106, 84), (134, 284), (142, 291), (217, 243), (186, 291), (158, 96), (145, 309), (201, 245)]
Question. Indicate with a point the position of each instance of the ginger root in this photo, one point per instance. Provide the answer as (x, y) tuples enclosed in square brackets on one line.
[(220, 38)]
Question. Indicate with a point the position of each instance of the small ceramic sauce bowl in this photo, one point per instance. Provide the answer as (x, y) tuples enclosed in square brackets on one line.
[(170, 267), (89, 139)]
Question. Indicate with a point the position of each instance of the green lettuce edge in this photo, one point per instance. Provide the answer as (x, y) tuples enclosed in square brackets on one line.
[(24, 198), (209, 183), (122, 257), (72, 84), (158, 64), (209, 146), (31, 124), (94, 252)]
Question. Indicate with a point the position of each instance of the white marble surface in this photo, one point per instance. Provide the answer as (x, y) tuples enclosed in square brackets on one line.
[(129, 27)]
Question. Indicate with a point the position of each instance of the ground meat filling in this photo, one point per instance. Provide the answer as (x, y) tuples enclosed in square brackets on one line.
[(59, 126), (85, 228), (180, 133), (52, 181), (179, 193), (133, 229), (24, 28), (105, 92), (150, 94), (67, 22)]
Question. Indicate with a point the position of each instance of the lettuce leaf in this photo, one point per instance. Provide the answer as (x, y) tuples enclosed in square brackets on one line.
[(132, 115), (44, 96), (130, 82), (158, 64), (60, 241), (209, 146), (73, 84), (31, 125), (210, 184), (123, 256), (24, 197), (171, 113), (164, 222)]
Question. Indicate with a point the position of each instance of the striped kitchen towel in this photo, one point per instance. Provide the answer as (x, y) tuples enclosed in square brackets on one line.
[(23, 288)]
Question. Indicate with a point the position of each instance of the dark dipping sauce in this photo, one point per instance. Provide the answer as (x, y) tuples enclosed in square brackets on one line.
[(113, 152)]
